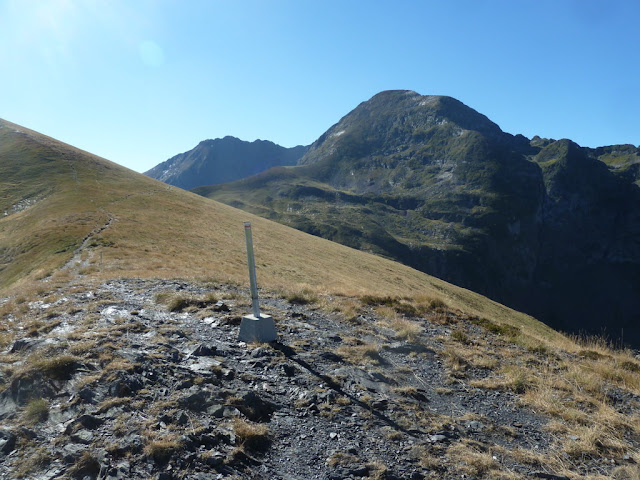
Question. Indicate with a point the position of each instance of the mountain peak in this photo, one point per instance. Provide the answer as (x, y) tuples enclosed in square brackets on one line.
[(399, 117), (223, 160), (442, 105)]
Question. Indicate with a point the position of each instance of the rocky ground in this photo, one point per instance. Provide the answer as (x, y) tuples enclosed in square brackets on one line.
[(136, 379)]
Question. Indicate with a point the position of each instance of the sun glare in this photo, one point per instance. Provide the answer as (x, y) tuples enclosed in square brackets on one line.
[(151, 53)]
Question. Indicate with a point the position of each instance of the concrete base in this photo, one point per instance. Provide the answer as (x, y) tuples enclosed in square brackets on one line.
[(254, 329)]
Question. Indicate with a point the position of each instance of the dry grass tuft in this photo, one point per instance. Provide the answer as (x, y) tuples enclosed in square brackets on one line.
[(474, 459), (32, 460), (163, 448), (460, 336), (87, 466), (252, 436), (361, 354), (36, 411), (58, 368), (305, 296)]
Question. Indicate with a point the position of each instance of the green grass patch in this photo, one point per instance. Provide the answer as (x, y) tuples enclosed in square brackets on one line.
[(503, 330)]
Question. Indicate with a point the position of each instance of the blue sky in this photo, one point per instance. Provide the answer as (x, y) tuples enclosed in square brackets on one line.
[(138, 81)]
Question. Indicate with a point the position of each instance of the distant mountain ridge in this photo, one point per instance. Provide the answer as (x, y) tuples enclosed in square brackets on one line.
[(223, 160), (541, 225)]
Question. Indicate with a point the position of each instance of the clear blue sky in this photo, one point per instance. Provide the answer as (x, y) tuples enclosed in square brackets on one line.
[(138, 81)]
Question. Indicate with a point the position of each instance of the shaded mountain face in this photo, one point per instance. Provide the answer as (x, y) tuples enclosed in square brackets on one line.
[(544, 226), (223, 160)]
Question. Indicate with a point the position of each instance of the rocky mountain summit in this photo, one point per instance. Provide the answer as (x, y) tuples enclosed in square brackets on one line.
[(133, 379), (544, 226), (223, 160)]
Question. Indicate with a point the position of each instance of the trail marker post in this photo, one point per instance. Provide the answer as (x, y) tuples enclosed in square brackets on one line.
[(256, 327)]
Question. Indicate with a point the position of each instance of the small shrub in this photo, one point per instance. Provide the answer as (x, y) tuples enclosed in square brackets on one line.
[(406, 329), (361, 354), (342, 459), (456, 363), (442, 318), (591, 354), (178, 303), (538, 349), (521, 383), (437, 304), (162, 298), (374, 301)]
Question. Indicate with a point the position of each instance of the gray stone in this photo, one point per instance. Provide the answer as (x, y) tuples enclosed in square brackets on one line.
[(475, 426), (196, 399), (549, 476), (289, 370), (256, 408), (7, 442), (72, 452), (213, 459), (359, 471), (258, 352), (216, 410), (204, 351), (83, 436), (23, 344), (182, 418)]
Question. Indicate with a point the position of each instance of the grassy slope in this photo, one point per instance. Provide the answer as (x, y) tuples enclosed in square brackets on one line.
[(153, 230)]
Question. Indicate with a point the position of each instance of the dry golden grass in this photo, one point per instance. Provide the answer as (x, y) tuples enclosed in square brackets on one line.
[(138, 227), (403, 328), (57, 367), (368, 354), (36, 411), (161, 448), (31, 460), (473, 355), (251, 436), (474, 460)]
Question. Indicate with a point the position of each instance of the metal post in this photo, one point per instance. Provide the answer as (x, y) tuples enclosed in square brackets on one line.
[(257, 327), (252, 270)]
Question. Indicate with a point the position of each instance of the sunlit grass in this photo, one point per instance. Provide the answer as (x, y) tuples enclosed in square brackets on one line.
[(134, 226)]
